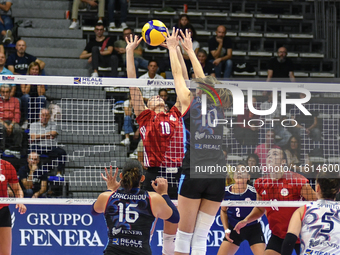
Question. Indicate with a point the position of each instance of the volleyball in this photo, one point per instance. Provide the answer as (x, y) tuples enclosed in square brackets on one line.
[(152, 32)]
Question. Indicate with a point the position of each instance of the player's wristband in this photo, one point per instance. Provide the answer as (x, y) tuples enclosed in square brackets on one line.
[(227, 231)]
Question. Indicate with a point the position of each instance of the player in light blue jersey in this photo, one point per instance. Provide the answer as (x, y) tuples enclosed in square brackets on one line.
[(230, 216), (317, 223)]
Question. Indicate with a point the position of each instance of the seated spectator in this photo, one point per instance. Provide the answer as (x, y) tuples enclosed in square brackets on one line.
[(33, 99), (247, 134), (120, 46), (262, 150), (100, 52), (281, 66), (129, 117), (163, 93), (9, 120), (43, 139), (32, 177), (18, 63), (82, 4), (307, 124), (183, 22), (208, 67), (123, 13), (6, 23), (221, 52), (293, 152), (281, 132), (5, 71), (151, 74)]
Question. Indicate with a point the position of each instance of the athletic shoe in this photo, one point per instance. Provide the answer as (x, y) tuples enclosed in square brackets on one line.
[(112, 25), (100, 21), (125, 142), (74, 25), (7, 39), (134, 155), (123, 25), (94, 74)]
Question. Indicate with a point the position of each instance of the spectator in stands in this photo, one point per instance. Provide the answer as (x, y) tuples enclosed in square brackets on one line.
[(6, 23), (163, 93), (183, 22), (293, 152), (120, 46), (151, 74), (208, 67), (32, 177), (43, 138), (82, 4), (129, 117), (5, 71), (262, 150), (123, 13), (100, 52), (281, 66), (9, 120), (221, 52), (33, 98), (306, 123), (253, 160), (247, 134), (18, 62)]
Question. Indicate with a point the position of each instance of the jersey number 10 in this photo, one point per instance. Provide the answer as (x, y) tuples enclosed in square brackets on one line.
[(165, 127)]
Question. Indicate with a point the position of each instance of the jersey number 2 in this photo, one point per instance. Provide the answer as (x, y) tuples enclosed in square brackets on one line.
[(130, 216), (165, 127), (238, 212)]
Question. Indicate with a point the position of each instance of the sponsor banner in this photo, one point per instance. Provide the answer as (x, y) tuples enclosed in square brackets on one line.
[(69, 230)]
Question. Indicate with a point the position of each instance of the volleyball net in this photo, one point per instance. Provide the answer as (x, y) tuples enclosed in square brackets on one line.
[(93, 123)]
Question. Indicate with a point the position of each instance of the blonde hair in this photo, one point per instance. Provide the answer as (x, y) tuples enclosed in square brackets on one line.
[(207, 84)]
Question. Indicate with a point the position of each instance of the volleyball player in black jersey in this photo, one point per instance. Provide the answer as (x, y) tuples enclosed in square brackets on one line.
[(198, 199), (130, 212)]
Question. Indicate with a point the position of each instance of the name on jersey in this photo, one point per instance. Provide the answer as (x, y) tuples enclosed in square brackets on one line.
[(129, 196), (313, 243), (199, 146), (127, 242), (87, 81), (199, 136)]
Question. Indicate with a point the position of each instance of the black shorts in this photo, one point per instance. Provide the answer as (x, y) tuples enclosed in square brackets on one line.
[(253, 234), (210, 189), (5, 217), (173, 179), (275, 244)]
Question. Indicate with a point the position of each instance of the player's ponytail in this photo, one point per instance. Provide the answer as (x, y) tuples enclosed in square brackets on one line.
[(132, 173), (329, 184)]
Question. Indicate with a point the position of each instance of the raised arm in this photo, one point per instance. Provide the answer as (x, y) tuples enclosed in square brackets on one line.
[(135, 93), (183, 93), (187, 46)]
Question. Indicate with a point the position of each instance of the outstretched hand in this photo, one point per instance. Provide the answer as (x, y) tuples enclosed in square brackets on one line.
[(111, 181), (132, 42), (171, 40), (186, 41)]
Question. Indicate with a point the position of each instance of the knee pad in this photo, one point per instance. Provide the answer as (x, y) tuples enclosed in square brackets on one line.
[(182, 242), (168, 244), (199, 239)]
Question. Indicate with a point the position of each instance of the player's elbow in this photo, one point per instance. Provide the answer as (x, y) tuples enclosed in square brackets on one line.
[(174, 218)]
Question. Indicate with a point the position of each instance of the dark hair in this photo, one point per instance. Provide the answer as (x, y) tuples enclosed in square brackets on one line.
[(193, 34), (128, 28), (242, 163), (99, 25), (289, 148), (160, 90), (132, 173), (202, 51), (284, 155), (179, 20), (255, 156), (152, 61), (329, 183)]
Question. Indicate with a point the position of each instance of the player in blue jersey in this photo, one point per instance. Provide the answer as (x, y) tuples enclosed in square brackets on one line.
[(130, 212), (318, 223), (230, 216), (198, 198)]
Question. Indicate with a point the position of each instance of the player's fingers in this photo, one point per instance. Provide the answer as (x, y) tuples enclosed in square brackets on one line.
[(104, 178), (167, 33), (127, 40), (140, 39), (227, 236), (116, 173), (106, 171), (153, 185)]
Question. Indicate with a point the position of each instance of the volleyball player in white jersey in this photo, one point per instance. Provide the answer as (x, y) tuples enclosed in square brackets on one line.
[(317, 223)]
